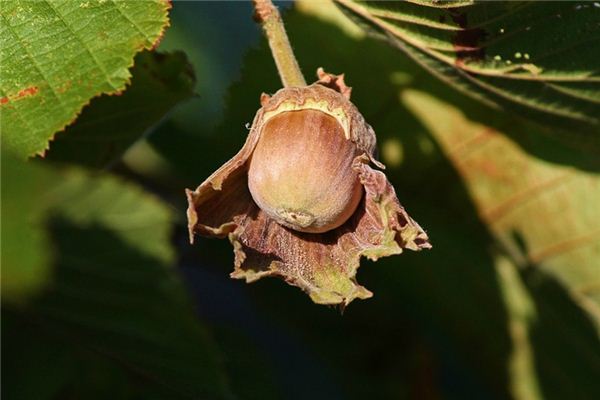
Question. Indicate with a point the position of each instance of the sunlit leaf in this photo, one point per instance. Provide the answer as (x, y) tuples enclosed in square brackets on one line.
[(24, 272), (536, 58), (57, 55), (546, 214), (545, 221)]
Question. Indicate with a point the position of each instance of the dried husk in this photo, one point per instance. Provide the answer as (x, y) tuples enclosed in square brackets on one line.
[(322, 264)]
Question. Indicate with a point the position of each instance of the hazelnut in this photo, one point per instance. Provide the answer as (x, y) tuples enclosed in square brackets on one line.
[(301, 171)]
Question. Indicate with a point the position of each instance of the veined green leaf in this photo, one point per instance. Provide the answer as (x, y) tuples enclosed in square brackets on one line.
[(57, 55), (544, 215), (537, 58)]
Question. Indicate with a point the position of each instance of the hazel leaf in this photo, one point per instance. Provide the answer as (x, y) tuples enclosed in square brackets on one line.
[(545, 215), (57, 55), (534, 58)]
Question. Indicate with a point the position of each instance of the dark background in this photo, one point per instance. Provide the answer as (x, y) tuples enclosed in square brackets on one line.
[(438, 325)]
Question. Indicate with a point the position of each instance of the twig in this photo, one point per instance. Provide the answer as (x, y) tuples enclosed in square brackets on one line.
[(268, 16)]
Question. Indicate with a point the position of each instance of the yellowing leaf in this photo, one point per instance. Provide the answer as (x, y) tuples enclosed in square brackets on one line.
[(545, 215)]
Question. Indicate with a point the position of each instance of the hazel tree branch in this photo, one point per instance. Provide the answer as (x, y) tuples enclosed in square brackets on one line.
[(268, 16)]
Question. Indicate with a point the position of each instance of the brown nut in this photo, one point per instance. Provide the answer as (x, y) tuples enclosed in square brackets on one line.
[(301, 171)]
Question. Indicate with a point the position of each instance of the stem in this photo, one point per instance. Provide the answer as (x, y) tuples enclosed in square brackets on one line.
[(270, 19)]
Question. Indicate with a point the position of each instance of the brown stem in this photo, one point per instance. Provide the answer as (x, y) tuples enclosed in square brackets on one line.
[(270, 19)]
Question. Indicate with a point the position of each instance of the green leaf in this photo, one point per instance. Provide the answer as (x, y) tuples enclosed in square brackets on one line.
[(546, 215), (544, 219), (536, 58), (57, 55), (110, 291), (110, 124), (24, 272), (522, 314)]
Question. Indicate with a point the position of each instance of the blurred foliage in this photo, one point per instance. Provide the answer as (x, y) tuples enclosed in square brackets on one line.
[(23, 272), (216, 62), (108, 293), (501, 307)]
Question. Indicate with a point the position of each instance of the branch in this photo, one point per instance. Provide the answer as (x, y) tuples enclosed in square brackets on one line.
[(267, 15)]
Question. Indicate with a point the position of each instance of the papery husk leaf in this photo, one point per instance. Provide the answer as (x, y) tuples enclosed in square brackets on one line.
[(324, 265)]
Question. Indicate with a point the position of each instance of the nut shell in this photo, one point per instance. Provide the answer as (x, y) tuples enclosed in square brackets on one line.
[(301, 171)]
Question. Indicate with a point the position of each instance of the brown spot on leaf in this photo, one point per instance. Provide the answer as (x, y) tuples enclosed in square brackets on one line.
[(30, 91)]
